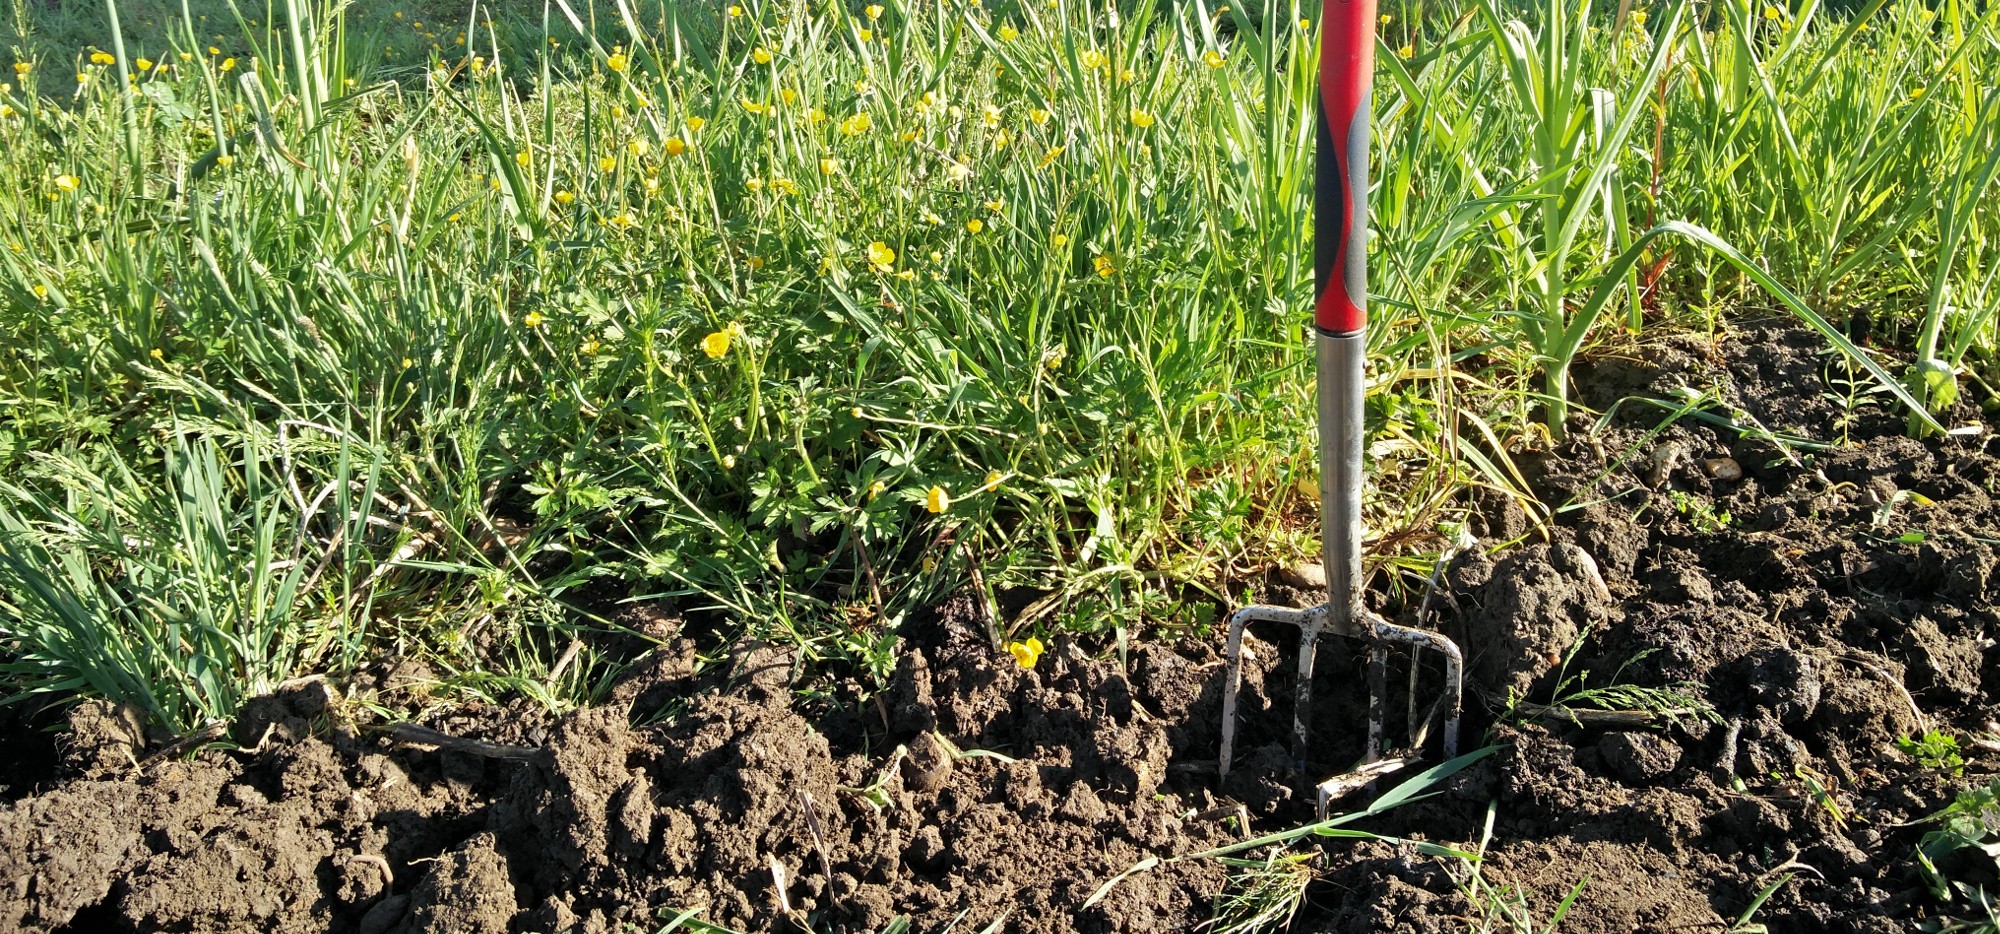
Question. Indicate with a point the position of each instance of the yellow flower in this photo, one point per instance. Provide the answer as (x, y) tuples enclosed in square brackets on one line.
[(867, 35), (212, 50), (735, 11), (1127, 76), (789, 96), (623, 220), (785, 186), (1385, 19), (564, 197), (225, 160), (694, 124), (761, 55), (1038, 116), (996, 205), (607, 164), (990, 116), (143, 64), (857, 124), (1105, 267), (590, 347), (1638, 17), (156, 353), (1026, 654), (1406, 51), (533, 320), (1094, 59), (1059, 241), (1771, 12), (523, 159), (67, 182), (639, 147), (829, 167), (975, 225), (753, 106), (407, 363), (1213, 58), (755, 185), (878, 487), (103, 58), (675, 146), (937, 499), (755, 263), (1008, 33), (1054, 153), (716, 344), (228, 64), (22, 68), (1305, 25), (881, 256), (931, 218), (862, 87), (1141, 118), (993, 479), (1001, 138), (874, 11)]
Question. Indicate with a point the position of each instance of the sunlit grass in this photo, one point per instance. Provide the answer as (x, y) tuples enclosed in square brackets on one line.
[(783, 313)]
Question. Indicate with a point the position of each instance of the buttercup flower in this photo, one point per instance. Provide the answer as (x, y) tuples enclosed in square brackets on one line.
[(694, 124), (975, 225), (1141, 118), (675, 146), (716, 344), (1105, 267), (937, 500), (1008, 33), (1026, 654), (617, 61), (874, 11), (1213, 58), (761, 56), (534, 319), (881, 256)]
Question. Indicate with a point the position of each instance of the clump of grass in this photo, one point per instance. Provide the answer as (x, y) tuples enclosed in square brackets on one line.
[(788, 316)]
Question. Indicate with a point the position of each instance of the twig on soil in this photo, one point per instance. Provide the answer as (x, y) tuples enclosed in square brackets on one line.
[(1224, 812), (412, 734), (819, 843), (1362, 776), (1791, 863), (210, 732), (1590, 716), (1865, 664)]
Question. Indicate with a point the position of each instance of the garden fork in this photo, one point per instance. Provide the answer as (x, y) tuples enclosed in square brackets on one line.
[(1340, 226)]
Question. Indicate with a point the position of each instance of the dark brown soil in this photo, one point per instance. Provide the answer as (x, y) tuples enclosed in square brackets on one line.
[(1798, 623)]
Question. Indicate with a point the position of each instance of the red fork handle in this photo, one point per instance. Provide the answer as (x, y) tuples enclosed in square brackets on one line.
[(1340, 202)]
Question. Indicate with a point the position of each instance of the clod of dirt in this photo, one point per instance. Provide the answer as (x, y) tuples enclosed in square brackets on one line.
[(105, 738), (1525, 612), (467, 891), (1638, 757)]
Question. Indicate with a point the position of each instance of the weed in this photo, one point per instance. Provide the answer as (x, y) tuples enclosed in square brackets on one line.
[(1936, 749), (1700, 513)]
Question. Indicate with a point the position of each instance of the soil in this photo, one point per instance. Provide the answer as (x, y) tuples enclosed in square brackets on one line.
[(1799, 613)]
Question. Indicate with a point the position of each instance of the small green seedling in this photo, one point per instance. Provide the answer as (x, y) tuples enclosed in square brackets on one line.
[(1706, 518), (1934, 750)]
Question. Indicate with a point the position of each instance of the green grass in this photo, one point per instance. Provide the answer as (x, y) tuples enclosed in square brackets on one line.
[(792, 316)]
